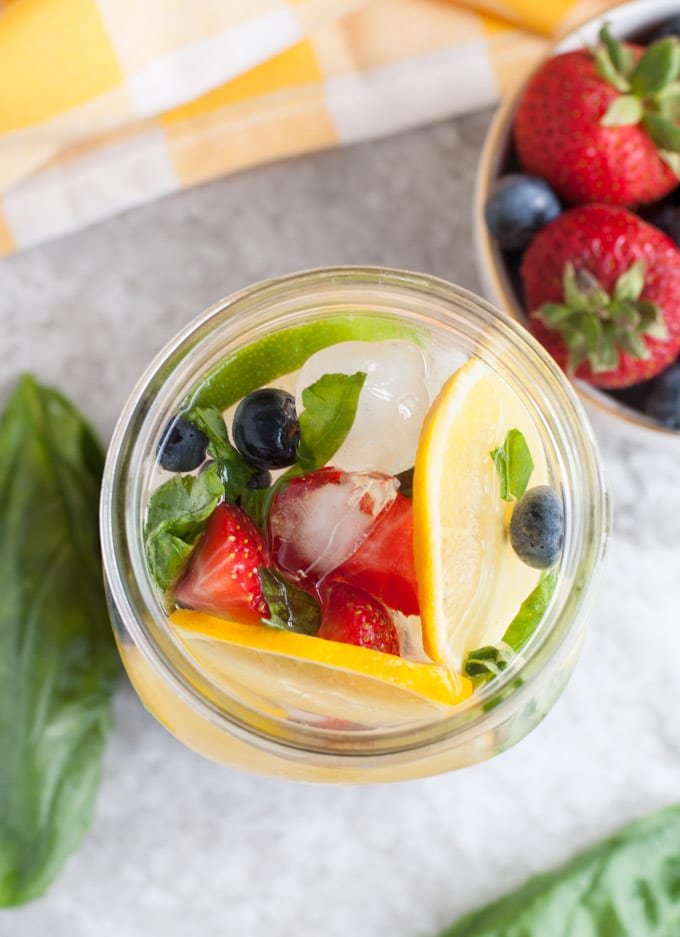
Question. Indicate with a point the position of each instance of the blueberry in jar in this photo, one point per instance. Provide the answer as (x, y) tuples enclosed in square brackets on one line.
[(517, 207), (182, 447), (537, 527), (266, 430)]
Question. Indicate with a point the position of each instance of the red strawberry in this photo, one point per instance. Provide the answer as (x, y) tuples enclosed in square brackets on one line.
[(596, 125), (603, 290), (383, 565), (221, 576), (352, 616), (320, 519)]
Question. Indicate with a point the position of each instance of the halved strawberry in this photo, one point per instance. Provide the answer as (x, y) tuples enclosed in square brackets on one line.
[(352, 616), (221, 576), (321, 518), (383, 565)]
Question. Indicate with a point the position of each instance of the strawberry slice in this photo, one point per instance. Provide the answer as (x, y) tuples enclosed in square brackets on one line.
[(321, 518), (221, 576), (352, 616), (383, 565)]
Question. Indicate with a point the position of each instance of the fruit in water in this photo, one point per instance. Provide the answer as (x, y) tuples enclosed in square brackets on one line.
[(183, 446), (383, 565), (470, 583), (300, 672), (537, 527), (603, 293), (517, 207), (221, 575), (283, 351), (392, 404), (266, 430), (599, 132), (663, 400), (352, 616), (318, 520)]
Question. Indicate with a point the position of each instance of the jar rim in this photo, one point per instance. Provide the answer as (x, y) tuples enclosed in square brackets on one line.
[(122, 502)]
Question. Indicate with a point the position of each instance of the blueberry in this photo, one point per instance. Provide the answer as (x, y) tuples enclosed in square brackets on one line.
[(517, 207), (182, 447), (266, 430), (670, 28), (667, 218), (537, 527), (663, 400), (260, 479)]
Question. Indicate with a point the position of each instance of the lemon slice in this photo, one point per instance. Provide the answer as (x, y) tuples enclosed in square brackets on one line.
[(279, 671), (470, 581)]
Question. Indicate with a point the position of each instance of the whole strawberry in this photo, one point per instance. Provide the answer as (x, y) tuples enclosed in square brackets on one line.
[(602, 289), (602, 125)]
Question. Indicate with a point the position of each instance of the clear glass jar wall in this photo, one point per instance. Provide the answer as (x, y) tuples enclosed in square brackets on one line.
[(242, 726)]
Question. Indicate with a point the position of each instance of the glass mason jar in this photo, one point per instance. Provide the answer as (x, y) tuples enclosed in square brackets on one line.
[(235, 726)]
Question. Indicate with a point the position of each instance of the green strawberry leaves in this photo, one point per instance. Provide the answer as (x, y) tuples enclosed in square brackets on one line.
[(596, 326), (650, 91)]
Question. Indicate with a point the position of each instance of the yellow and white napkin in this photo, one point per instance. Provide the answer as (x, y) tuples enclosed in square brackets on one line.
[(107, 104)]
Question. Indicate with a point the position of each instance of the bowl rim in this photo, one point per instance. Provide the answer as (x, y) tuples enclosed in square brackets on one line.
[(495, 282)]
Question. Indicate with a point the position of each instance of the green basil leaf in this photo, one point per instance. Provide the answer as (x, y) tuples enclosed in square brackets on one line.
[(530, 613), (330, 405), (234, 470), (290, 608), (486, 662), (627, 885), (58, 660), (514, 465), (178, 511)]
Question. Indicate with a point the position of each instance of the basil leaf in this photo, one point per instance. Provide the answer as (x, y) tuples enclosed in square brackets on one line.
[(514, 465), (486, 662), (58, 660), (234, 470), (627, 885), (177, 513), (290, 608), (530, 613), (330, 405)]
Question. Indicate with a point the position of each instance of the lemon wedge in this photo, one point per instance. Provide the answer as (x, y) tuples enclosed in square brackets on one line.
[(295, 674), (470, 581)]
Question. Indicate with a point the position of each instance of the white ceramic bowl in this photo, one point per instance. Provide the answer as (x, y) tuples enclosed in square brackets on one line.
[(626, 21)]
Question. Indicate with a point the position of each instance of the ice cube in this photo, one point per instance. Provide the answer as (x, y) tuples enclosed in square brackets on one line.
[(320, 519), (392, 405)]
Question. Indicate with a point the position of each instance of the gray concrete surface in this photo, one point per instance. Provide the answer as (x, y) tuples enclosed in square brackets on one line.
[(181, 847)]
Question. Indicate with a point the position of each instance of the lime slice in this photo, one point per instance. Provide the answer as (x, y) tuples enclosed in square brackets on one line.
[(286, 350), (303, 674), (470, 581)]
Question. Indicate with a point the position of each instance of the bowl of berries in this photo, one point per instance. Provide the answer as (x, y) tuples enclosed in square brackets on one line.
[(577, 213)]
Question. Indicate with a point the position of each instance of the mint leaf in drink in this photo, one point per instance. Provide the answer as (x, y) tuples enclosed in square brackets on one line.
[(330, 405), (624, 886), (514, 465), (58, 659), (177, 513), (233, 469), (290, 608), (486, 662)]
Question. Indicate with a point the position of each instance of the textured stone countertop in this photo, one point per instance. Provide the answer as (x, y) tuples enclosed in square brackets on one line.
[(183, 847)]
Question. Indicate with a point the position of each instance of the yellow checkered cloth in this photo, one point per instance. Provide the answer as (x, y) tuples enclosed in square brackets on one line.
[(107, 104)]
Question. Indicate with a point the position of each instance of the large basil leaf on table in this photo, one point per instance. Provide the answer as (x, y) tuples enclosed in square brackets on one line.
[(628, 885), (58, 661)]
